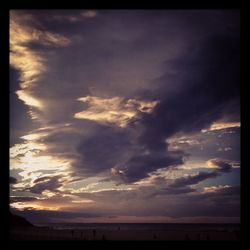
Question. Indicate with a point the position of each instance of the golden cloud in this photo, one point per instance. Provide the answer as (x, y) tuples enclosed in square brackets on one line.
[(116, 110), (28, 62), (32, 158), (214, 189), (222, 125), (89, 13)]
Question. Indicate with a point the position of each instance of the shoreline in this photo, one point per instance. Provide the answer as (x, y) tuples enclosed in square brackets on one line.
[(42, 233)]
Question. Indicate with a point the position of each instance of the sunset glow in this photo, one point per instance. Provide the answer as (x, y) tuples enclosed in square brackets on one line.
[(125, 116)]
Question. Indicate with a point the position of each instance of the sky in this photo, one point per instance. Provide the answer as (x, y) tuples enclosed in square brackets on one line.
[(125, 115)]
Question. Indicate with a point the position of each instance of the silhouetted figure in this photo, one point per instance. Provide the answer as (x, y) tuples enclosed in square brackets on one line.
[(81, 234), (198, 237), (72, 233), (155, 237), (187, 237), (94, 233), (208, 237), (103, 237)]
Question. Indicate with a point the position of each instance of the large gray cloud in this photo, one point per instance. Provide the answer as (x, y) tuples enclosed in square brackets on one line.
[(209, 77), (45, 183), (139, 166), (196, 89), (103, 150), (187, 60)]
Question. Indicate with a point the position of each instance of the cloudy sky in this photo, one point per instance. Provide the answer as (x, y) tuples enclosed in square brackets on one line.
[(125, 115)]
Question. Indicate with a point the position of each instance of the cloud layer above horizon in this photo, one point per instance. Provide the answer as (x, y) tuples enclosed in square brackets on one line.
[(122, 106)]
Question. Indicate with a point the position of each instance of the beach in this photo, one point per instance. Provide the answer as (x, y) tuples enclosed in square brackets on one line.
[(39, 233)]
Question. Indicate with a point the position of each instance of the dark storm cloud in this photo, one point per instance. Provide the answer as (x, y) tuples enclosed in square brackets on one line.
[(13, 180), (208, 78), (131, 43), (187, 60), (201, 75), (106, 148), (45, 183), (22, 199), (139, 166)]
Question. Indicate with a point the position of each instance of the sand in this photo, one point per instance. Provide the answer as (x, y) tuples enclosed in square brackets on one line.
[(124, 235)]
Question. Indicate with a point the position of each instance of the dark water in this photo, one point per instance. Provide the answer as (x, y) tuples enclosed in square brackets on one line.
[(146, 226)]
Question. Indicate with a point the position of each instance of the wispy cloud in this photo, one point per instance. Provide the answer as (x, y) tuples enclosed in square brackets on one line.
[(222, 125), (214, 189), (89, 13)]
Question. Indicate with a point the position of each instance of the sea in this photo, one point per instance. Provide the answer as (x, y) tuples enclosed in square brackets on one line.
[(194, 227)]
